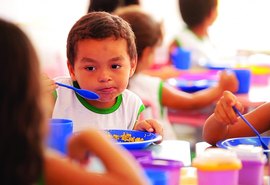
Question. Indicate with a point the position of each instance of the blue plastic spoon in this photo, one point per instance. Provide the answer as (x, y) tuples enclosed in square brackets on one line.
[(83, 93), (265, 147)]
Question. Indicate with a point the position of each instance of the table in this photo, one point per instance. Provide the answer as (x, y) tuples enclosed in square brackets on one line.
[(178, 150), (172, 149)]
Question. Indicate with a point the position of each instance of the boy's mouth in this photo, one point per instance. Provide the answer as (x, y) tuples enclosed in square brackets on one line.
[(107, 90)]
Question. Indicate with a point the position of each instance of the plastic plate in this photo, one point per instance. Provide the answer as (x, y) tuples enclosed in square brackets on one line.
[(192, 85), (243, 141), (148, 138)]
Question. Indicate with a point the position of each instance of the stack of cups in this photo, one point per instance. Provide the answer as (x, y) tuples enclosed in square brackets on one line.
[(253, 161), (170, 167), (217, 166)]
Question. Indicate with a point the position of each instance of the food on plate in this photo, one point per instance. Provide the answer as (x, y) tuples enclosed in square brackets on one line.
[(126, 137)]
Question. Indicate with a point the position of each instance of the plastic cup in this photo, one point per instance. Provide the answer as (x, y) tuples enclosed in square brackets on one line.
[(170, 167), (60, 130), (244, 79), (253, 161), (181, 58), (141, 154), (157, 177), (217, 166)]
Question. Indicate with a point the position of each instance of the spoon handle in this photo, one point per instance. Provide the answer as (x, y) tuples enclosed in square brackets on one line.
[(246, 121), (265, 147), (64, 85)]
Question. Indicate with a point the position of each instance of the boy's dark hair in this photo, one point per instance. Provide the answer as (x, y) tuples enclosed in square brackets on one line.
[(98, 26), (147, 30), (21, 114), (194, 12)]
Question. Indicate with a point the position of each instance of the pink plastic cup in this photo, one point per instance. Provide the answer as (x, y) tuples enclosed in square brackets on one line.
[(218, 167), (228, 177)]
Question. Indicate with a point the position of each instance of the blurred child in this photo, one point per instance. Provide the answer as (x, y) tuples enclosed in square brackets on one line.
[(224, 123), (198, 16), (152, 89), (24, 121), (109, 6), (102, 56)]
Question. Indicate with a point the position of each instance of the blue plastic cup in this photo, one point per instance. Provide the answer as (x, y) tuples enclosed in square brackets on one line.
[(60, 130), (181, 58), (244, 79)]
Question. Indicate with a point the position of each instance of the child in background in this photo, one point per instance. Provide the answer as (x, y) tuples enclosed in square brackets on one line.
[(102, 56), (224, 122), (24, 117), (109, 6), (152, 89), (198, 16)]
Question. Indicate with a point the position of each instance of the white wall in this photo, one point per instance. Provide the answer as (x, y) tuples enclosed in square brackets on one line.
[(240, 24)]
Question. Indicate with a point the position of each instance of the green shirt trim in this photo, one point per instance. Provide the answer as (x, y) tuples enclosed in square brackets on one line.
[(142, 108), (161, 84)]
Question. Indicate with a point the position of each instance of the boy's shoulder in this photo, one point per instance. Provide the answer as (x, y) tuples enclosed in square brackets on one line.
[(127, 94)]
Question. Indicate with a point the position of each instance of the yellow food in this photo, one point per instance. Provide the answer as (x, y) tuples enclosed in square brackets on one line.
[(126, 137)]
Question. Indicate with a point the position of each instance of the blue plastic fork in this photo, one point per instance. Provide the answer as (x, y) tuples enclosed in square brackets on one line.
[(265, 147), (83, 93)]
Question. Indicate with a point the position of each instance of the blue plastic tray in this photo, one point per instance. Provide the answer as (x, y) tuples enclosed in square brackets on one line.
[(148, 138), (243, 140)]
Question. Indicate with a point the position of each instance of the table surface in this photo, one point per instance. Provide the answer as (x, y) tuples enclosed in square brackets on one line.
[(172, 149), (178, 150)]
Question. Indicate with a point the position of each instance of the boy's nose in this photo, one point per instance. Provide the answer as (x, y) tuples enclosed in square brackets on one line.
[(104, 76)]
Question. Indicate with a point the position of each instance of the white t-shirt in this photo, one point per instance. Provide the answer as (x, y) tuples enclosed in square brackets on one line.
[(204, 52), (149, 89), (122, 115)]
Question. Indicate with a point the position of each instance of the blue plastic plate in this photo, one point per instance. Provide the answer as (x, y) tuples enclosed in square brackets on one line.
[(192, 85), (243, 141), (148, 138)]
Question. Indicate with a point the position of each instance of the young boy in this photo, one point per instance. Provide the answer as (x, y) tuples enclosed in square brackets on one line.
[(152, 89), (102, 56)]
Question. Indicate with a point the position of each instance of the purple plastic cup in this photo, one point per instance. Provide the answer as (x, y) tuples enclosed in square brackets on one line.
[(253, 162), (251, 173), (141, 154), (171, 167), (157, 177)]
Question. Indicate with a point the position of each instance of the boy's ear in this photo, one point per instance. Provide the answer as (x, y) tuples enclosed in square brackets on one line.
[(71, 71), (133, 67)]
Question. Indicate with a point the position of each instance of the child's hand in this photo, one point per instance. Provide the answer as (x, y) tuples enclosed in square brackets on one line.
[(77, 150), (228, 81), (224, 112), (49, 84), (149, 125)]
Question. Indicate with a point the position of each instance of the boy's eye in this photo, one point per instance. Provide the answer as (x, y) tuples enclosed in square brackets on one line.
[(116, 66), (91, 68)]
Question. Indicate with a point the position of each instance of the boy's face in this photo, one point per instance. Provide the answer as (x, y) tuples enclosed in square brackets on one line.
[(104, 67)]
